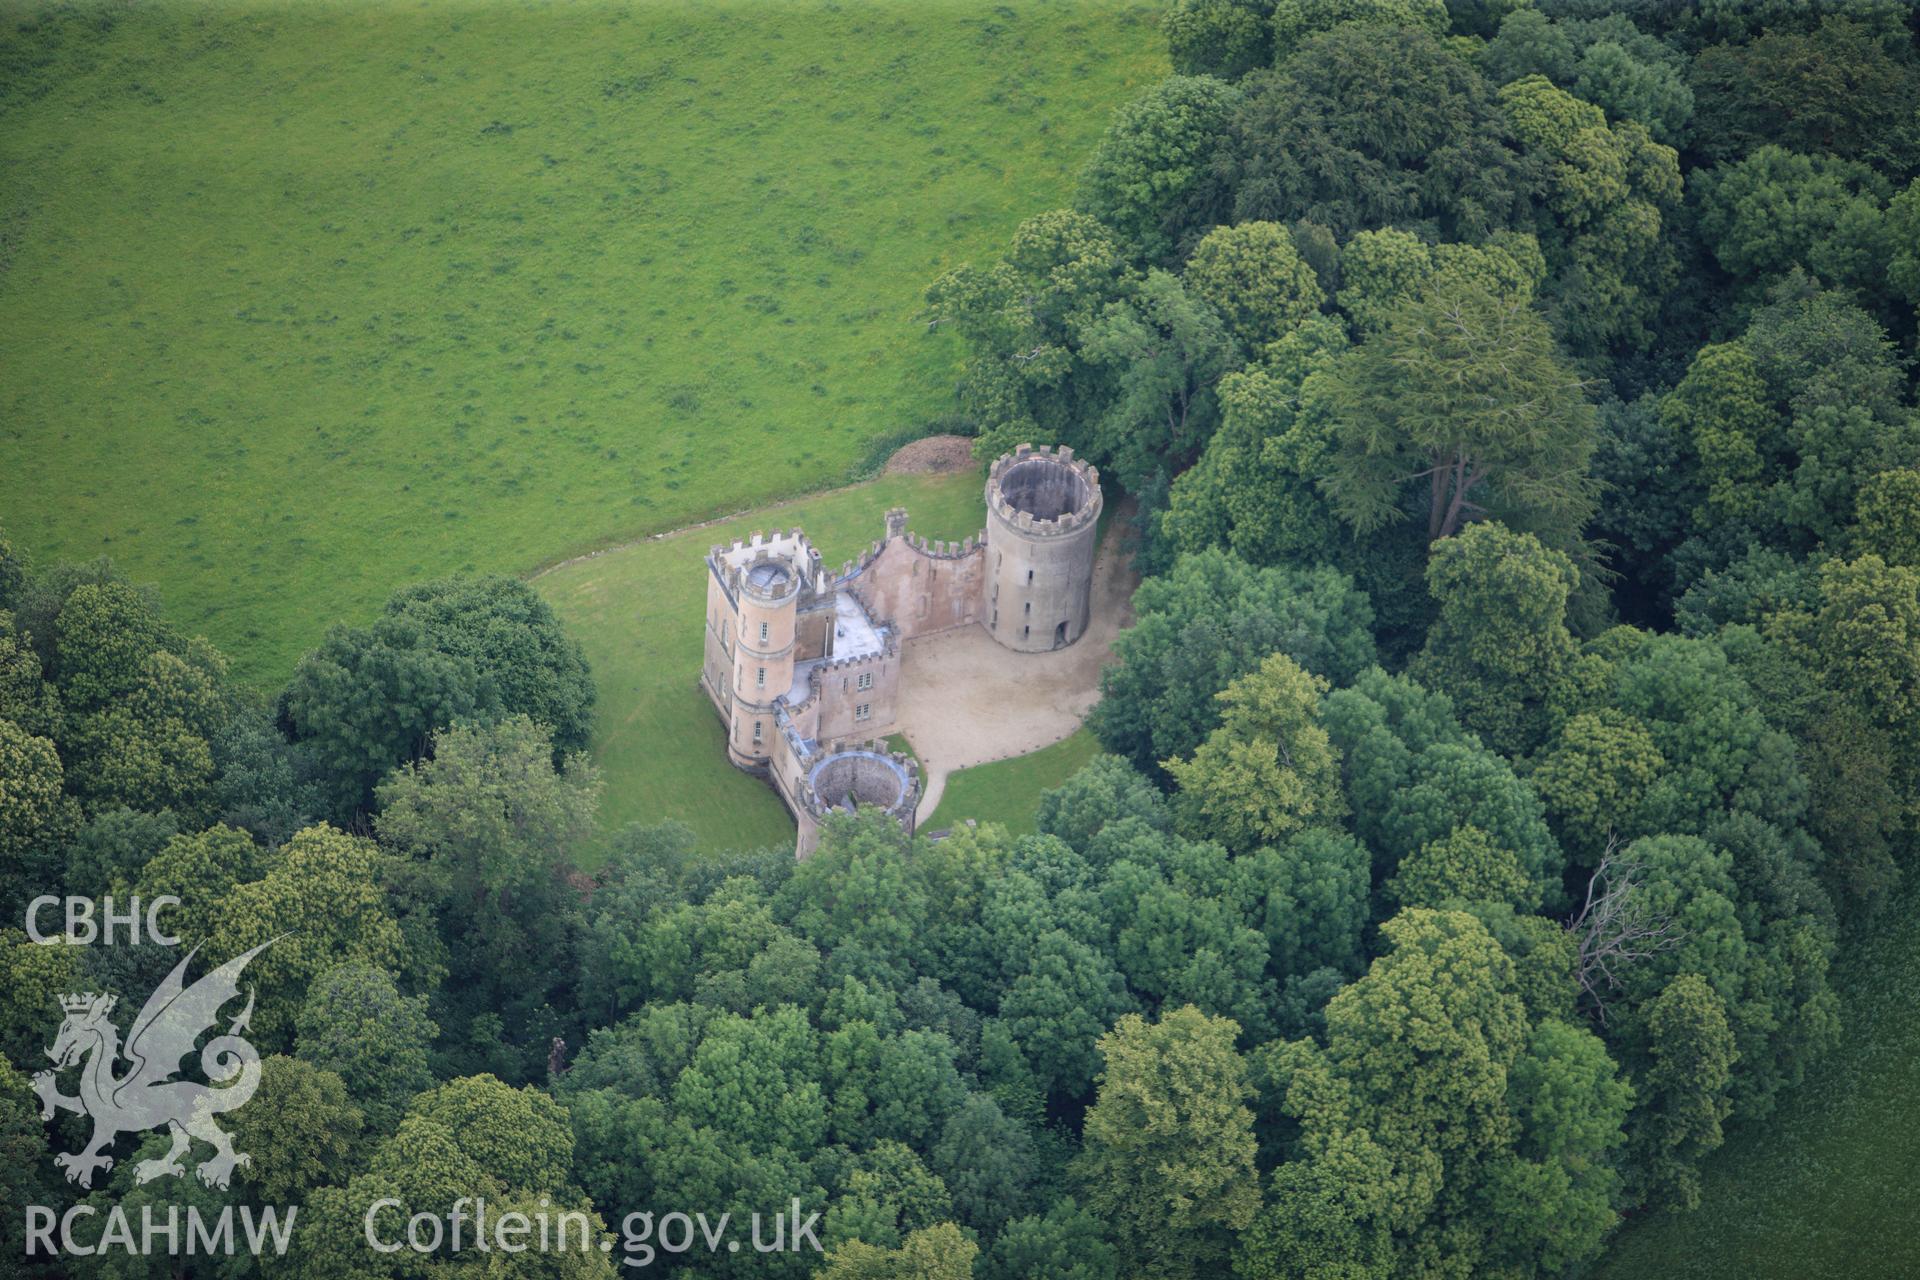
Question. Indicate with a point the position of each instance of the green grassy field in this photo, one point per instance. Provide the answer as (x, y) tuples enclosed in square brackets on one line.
[(1823, 1188), (638, 611), (1007, 791), (301, 303)]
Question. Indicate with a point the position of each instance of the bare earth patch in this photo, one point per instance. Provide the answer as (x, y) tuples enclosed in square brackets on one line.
[(965, 700), (932, 455)]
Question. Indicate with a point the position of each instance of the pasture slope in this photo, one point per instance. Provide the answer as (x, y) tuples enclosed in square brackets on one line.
[(299, 303), (1823, 1189)]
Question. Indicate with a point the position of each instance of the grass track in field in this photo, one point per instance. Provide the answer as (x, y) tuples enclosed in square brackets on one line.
[(1008, 791), (300, 303), (639, 612), (1824, 1188)]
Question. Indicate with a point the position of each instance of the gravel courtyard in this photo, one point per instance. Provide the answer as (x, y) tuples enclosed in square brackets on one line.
[(966, 700)]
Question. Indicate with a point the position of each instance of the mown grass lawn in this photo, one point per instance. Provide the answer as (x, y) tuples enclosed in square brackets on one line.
[(1824, 1188), (639, 612), (299, 303), (1008, 791)]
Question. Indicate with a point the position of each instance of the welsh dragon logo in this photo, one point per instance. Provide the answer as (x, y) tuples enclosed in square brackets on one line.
[(147, 1096)]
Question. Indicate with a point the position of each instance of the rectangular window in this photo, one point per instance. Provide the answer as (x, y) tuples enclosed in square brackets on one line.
[(1029, 575), (763, 633), (1023, 632), (863, 712), (756, 730), (760, 678), (866, 680), (1029, 609)]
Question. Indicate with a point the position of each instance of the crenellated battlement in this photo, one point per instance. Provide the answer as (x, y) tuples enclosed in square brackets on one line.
[(931, 548), (1044, 491), (818, 675), (855, 567), (941, 549), (864, 773), (787, 561)]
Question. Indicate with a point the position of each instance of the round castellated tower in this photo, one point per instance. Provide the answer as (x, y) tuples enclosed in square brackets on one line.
[(763, 652), (1043, 514), (866, 773)]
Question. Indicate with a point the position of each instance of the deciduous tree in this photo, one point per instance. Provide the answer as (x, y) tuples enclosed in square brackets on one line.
[(941, 1252), (1254, 277), (1460, 408), (1065, 1243), (1168, 1161), (1269, 769), (1224, 38), (1152, 177), (1167, 351), (1368, 126), (1501, 641), (301, 1130), (1210, 620), (356, 1024), (369, 699), (322, 903)]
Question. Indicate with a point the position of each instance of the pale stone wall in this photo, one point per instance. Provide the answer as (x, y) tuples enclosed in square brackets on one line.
[(923, 587), (1043, 514), (840, 696), (811, 630), (716, 673), (787, 767)]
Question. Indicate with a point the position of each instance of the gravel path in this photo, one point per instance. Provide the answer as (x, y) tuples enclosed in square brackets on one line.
[(965, 700)]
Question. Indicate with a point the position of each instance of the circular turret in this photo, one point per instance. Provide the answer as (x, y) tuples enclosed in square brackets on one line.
[(763, 651), (867, 776), (1043, 519), (772, 579)]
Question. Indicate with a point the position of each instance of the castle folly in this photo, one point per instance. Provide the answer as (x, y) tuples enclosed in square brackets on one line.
[(804, 666)]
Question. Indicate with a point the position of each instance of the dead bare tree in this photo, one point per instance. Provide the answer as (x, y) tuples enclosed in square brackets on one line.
[(1615, 927)]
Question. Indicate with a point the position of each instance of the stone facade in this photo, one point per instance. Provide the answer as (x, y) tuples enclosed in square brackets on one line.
[(801, 663)]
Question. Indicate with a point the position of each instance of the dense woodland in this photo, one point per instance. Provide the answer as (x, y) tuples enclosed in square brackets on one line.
[(1520, 717)]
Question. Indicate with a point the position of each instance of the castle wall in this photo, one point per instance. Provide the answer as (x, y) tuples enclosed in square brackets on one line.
[(806, 836), (787, 765), (840, 696), (716, 671), (812, 629), (922, 586)]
